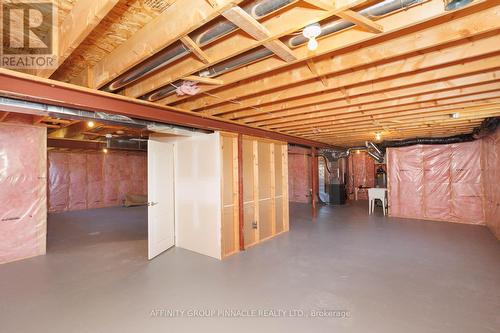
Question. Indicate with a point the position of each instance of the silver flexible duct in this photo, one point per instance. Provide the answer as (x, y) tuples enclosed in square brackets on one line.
[(202, 36), (328, 28)]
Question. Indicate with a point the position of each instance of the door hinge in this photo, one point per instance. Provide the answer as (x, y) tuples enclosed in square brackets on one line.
[(254, 225), (151, 204)]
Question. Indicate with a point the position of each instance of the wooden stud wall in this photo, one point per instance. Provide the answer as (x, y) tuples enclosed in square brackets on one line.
[(230, 207), (265, 191)]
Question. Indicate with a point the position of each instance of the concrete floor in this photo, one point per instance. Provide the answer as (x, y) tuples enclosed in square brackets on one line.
[(391, 275)]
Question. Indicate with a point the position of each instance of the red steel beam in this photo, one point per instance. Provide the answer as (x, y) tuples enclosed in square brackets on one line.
[(32, 88)]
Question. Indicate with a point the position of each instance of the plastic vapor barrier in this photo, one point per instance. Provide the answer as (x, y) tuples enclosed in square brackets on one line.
[(94, 180), (23, 210), (299, 174), (491, 179), (436, 182), (361, 172)]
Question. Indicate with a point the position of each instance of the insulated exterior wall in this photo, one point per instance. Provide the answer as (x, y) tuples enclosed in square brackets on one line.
[(361, 172), (85, 180), (491, 181), (436, 182), (23, 210), (299, 174)]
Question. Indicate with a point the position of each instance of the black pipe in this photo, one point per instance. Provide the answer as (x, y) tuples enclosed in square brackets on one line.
[(489, 125)]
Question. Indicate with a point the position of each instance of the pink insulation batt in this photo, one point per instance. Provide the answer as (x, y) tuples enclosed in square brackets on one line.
[(299, 174), (437, 182), (23, 210), (79, 180), (491, 180)]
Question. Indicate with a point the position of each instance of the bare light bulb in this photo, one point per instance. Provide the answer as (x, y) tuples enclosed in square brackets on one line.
[(312, 44), (378, 136), (90, 124), (105, 151)]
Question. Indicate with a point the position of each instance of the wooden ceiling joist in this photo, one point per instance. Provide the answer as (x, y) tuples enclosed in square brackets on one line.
[(361, 21), (441, 125), (285, 24), (251, 26), (311, 92), (77, 25), (314, 70), (191, 45), (448, 32), (322, 4), (70, 131), (429, 105), (364, 123), (401, 74), (386, 90), (178, 20), (204, 80)]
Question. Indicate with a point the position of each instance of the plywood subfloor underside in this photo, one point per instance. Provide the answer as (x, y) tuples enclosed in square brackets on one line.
[(392, 275)]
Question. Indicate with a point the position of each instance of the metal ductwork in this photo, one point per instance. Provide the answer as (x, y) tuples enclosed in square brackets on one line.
[(450, 5), (374, 152), (372, 12), (202, 36), (35, 108), (221, 27)]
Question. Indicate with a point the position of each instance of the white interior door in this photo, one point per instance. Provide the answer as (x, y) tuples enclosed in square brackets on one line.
[(198, 194), (161, 214)]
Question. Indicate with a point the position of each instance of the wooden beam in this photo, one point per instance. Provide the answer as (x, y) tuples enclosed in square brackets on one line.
[(156, 35), (377, 93), (322, 4), (31, 88), (70, 131), (235, 44), (75, 144), (424, 16), (426, 110), (195, 49), (397, 121), (204, 80), (241, 205), (405, 104), (401, 70), (314, 70), (361, 21), (247, 23), (314, 189), (77, 25)]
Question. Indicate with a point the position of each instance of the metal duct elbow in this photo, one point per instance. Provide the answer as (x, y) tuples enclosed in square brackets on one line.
[(370, 144), (377, 158)]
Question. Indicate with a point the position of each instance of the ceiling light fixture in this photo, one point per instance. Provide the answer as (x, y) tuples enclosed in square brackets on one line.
[(311, 32), (378, 136), (450, 5), (105, 150), (455, 115), (90, 124)]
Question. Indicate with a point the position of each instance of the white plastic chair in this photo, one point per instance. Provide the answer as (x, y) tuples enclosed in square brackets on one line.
[(377, 193)]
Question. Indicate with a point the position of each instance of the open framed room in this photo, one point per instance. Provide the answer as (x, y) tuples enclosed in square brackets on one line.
[(233, 165)]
